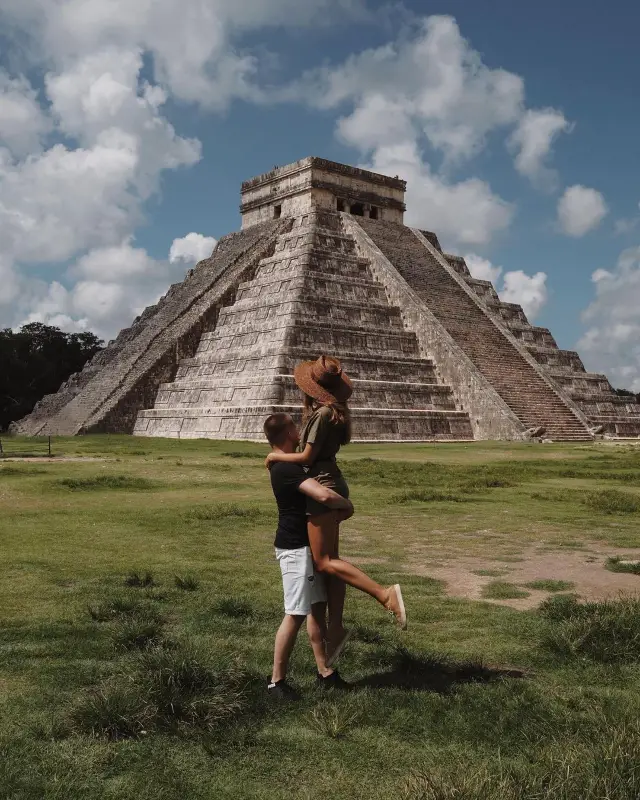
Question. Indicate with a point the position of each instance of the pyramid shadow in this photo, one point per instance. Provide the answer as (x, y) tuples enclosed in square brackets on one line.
[(435, 674)]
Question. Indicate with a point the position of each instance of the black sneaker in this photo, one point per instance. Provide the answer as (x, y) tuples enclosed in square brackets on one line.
[(333, 681), (282, 691)]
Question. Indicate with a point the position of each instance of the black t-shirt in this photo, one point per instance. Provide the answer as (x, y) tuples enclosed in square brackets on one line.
[(292, 505)]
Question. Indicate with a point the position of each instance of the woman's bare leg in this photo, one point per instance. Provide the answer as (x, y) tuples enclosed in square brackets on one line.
[(317, 632), (323, 538)]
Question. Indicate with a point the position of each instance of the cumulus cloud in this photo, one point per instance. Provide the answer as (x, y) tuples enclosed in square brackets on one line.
[(108, 287), (532, 142), (627, 225), (466, 212), (432, 83), (80, 158), (428, 88), (611, 341), (191, 248), (482, 268), (22, 122), (528, 291), (580, 210), (195, 45)]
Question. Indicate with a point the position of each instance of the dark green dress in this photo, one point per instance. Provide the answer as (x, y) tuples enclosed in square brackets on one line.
[(327, 435)]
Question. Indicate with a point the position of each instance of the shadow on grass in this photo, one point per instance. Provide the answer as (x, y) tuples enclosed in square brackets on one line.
[(434, 673)]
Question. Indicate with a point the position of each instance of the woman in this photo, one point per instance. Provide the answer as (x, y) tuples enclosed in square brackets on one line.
[(326, 427)]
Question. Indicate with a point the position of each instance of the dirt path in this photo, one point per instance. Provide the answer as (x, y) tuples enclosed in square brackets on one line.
[(584, 568)]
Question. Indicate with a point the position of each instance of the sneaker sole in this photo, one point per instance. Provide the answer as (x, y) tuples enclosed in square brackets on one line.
[(402, 619)]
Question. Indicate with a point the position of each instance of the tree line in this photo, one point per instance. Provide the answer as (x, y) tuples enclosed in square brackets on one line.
[(36, 360)]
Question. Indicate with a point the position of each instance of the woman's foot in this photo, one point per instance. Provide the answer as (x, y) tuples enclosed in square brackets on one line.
[(336, 644), (395, 604)]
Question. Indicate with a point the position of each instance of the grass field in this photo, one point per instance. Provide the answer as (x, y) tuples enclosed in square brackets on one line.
[(139, 598)]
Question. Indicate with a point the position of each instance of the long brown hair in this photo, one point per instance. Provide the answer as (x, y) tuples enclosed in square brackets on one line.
[(340, 415)]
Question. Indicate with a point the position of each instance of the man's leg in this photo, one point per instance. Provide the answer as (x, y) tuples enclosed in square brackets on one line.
[(285, 640)]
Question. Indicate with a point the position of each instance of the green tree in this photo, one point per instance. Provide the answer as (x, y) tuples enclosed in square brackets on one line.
[(35, 361)]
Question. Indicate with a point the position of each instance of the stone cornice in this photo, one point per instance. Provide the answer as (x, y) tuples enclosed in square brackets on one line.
[(327, 166)]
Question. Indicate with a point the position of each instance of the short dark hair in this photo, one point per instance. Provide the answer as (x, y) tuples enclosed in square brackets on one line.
[(276, 426)]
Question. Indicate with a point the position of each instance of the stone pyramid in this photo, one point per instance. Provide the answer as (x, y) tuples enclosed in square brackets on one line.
[(323, 263)]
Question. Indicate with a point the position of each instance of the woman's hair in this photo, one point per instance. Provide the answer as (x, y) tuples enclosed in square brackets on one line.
[(340, 415)]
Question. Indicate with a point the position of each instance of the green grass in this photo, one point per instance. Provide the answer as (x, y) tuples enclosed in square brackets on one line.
[(101, 482), (502, 590), (139, 599), (549, 585), (617, 564)]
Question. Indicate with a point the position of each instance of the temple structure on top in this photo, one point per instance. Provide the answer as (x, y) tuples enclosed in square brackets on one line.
[(324, 263)]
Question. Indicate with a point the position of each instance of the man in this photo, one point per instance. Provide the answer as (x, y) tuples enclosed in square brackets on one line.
[(304, 591)]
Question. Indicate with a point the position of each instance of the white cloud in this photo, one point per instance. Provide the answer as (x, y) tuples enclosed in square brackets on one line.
[(112, 286), (191, 248), (627, 225), (482, 268), (462, 213), (22, 121), (194, 44), (529, 291), (432, 84), (107, 68), (580, 210), (532, 142), (611, 342)]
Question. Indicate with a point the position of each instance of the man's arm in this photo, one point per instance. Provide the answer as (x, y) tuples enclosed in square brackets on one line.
[(322, 494)]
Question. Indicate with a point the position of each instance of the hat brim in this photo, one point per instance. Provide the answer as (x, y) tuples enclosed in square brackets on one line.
[(303, 376)]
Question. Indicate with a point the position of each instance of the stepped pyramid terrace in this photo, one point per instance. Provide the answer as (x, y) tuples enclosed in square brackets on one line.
[(324, 263)]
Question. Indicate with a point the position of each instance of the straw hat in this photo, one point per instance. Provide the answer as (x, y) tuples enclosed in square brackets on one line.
[(323, 380)]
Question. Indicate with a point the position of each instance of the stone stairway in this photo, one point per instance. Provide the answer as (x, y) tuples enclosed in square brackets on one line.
[(522, 388), (314, 294), (617, 415)]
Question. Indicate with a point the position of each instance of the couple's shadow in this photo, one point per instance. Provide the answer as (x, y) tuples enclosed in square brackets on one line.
[(433, 673)]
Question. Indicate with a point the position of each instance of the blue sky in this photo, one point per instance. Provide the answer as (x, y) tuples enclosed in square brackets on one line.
[(126, 125)]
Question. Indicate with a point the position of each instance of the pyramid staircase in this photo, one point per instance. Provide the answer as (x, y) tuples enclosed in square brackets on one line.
[(616, 415), (313, 295), (527, 392)]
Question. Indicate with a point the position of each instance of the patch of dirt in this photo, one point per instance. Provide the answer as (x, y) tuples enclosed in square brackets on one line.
[(584, 568)]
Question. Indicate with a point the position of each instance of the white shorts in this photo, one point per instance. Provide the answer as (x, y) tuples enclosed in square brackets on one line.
[(303, 586)]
